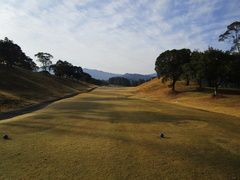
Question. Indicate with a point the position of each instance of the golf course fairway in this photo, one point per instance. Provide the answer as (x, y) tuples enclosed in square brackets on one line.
[(107, 134)]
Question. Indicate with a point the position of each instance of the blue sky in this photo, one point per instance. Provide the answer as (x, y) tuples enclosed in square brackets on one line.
[(124, 36)]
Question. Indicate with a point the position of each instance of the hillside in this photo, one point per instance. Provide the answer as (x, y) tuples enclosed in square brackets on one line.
[(97, 74), (228, 101), (20, 88)]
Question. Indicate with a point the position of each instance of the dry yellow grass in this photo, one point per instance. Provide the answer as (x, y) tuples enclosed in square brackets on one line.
[(109, 134), (20, 88), (228, 103)]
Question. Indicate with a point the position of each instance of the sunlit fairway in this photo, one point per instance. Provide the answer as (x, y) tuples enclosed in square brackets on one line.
[(107, 134)]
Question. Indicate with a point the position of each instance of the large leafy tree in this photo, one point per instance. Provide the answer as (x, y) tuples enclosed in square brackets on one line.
[(9, 52), (78, 72), (194, 69), (169, 65), (12, 54), (44, 59), (232, 35), (234, 66), (67, 69), (64, 68), (215, 67), (58, 68), (27, 63)]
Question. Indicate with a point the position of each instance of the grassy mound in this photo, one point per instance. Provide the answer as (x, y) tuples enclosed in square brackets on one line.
[(20, 88), (228, 101)]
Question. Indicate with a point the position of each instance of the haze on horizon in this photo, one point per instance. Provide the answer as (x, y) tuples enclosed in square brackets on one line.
[(122, 36)]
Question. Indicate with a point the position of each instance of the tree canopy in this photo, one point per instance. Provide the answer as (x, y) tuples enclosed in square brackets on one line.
[(64, 68), (12, 54), (232, 35), (193, 69), (213, 66), (169, 64), (44, 59)]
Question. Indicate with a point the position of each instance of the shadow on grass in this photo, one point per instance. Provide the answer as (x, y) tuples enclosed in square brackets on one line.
[(210, 90), (32, 108), (29, 109), (111, 110), (65, 117)]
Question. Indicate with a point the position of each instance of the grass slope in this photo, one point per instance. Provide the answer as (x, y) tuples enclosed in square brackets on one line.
[(228, 101), (20, 88)]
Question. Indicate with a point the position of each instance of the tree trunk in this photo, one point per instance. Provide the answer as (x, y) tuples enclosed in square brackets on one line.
[(200, 82), (215, 90), (173, 85)]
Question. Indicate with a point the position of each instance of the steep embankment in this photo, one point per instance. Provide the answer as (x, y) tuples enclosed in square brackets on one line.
[(20, 88), (228, 101)]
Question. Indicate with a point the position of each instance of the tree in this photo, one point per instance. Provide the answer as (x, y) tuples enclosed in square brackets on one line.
[(44, 58), (58, 68), (215, 67), (78, 72), (169, 64), (232, 35), (194, 69), (64, 68), (68, 69), (12, 54), (27, 63), (234, 66), (86, 77), (9, 52)]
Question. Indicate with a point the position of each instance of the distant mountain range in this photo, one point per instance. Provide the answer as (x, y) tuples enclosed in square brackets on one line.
[(97, 74)]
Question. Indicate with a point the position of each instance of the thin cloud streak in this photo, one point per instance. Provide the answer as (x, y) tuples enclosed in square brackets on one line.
[(115, 36)]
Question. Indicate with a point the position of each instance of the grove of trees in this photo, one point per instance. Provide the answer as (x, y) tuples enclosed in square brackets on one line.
[(11, 54), (213, 65), (66, 69), (121, 81)]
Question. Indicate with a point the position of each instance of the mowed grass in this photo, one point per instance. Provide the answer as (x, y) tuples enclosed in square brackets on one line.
[(227, 102), (108, 134)]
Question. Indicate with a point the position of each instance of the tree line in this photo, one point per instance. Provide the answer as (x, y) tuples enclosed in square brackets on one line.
[(11, 54), (212, 66), (121, 81)]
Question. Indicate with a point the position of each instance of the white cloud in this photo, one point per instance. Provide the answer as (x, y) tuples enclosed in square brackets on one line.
[(116, 36)]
